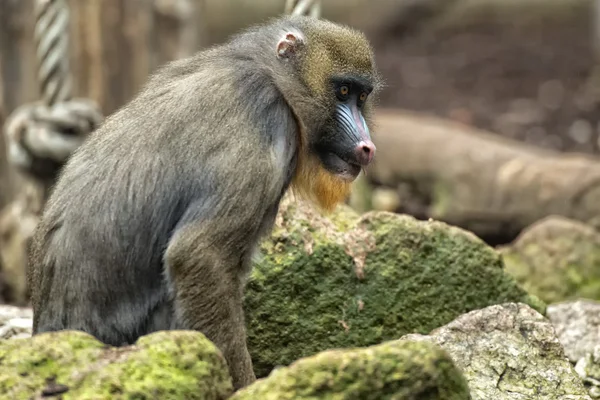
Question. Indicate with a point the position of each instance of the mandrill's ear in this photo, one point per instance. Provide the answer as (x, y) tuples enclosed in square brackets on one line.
[(289, 45)]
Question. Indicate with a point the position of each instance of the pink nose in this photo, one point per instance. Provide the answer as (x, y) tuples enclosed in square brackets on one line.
[(365, 151)]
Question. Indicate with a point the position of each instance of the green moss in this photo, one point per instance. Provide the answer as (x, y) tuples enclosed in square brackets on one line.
[(393, 370), (26, 363), (362, 192), (443, 198), (344, 292), (165, 365), (557, 259)]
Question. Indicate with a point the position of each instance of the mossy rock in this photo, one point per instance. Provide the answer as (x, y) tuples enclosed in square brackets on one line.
[(393, 370), (345, 281), (556, 259), (163, 365)]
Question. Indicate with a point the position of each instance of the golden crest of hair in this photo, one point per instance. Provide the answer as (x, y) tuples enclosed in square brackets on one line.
[(336, 50), (319, 186)]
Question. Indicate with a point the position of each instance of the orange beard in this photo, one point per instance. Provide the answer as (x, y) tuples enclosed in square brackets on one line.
[(318, 185)]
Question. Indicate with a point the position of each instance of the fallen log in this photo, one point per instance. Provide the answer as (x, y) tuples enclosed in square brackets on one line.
[(482, 182)]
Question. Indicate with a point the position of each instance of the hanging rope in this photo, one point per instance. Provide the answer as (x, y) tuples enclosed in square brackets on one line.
[(303, 7), (52, 40), (42, 135)]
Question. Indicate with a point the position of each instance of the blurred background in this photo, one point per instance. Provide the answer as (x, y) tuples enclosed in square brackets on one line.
[(489, 119)]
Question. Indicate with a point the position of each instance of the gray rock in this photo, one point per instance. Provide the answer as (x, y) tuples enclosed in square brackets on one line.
[(10, 312), (509, 352), (577, 324), (15, 322), (588, 368)]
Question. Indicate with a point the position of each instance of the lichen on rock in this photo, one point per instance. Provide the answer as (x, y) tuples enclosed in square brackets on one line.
[(508, 352), (165, 365), (392, 370), (347, 281)]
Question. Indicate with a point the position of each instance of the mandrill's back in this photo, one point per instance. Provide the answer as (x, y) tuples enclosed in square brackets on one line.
[(96, 259), (111, 206)]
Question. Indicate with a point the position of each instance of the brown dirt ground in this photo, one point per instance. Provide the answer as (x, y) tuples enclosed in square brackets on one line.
[(523, 80)]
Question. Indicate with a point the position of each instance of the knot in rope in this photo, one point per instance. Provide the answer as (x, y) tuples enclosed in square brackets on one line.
[(303, 7), (40, 138)]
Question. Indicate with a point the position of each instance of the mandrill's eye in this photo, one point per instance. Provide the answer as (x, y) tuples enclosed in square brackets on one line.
[(362, 98), (343, 92)]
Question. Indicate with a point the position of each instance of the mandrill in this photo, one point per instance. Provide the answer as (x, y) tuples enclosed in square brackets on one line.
[(153, 221)]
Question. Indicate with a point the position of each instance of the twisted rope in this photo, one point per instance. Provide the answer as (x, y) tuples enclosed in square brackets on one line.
[(52, 39), (42, 135), (302, 7)]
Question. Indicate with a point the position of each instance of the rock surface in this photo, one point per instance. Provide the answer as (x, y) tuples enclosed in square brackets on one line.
[(15, 322), (393, 370), (556, 259), (164, 365), (509, 352), (577, 325), (345, 281), (588, 368)]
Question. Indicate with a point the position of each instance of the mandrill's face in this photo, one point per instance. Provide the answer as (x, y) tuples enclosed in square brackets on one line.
[(344, 79), (337, 67), (345, 146)]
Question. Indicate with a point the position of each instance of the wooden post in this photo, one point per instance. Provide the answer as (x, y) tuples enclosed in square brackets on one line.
[(18, 82)]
